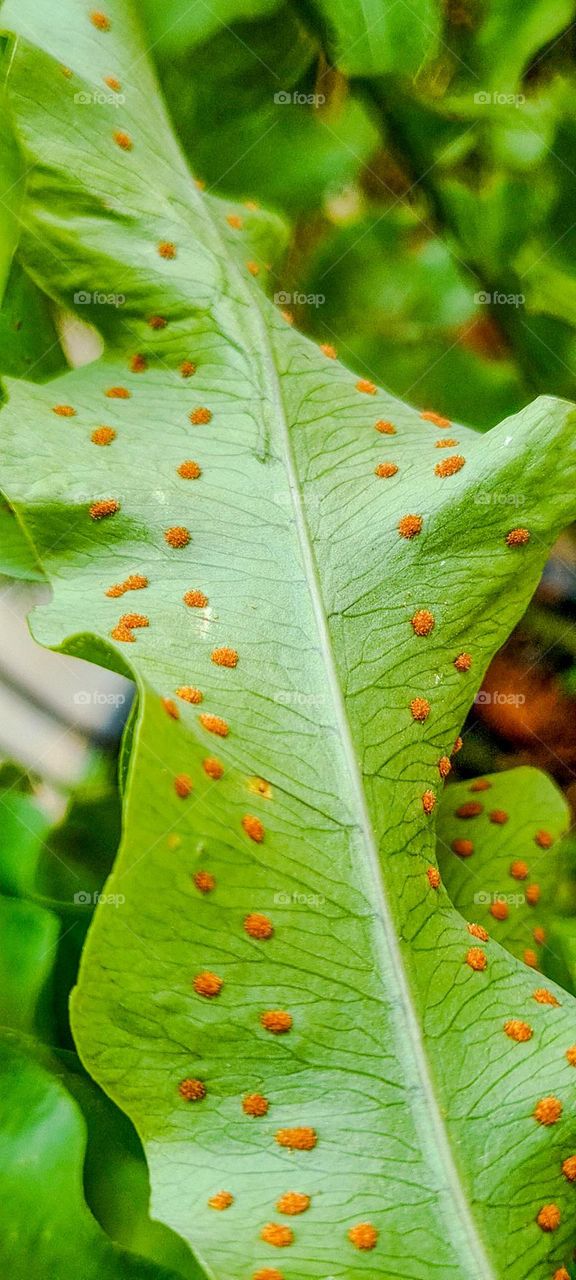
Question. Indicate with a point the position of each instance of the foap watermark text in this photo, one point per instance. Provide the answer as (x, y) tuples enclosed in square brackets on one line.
[(285, 97), (496, 299), (283, 299), (83, 298)]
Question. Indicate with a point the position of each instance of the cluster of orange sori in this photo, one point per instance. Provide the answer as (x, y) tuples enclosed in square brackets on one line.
[(100, 20), (213, 768), (183, 785), (449, 466), (428, 415), (103, 435), (170, 708), (122, 140), (214, 724), (518, 869), (423, 623), (478, 931), (128, 623), (134, 582), (178, 537), (364, 1236), (278, 1022), (103, 508), (206, 984), (410, 526), (547, 1111)]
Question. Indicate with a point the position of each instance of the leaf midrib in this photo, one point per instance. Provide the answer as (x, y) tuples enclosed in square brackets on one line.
[(386, 939)]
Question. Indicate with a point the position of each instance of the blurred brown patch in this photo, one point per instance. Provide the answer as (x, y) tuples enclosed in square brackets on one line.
[(484, 337), (527, 706)]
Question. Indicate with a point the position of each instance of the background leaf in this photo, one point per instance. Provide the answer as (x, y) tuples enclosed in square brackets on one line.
[(295, 133), (51, 876), (29, 940), (29, 343), (47, 1228), (38, 964), (177, 23), (375, 38), (496, 848)]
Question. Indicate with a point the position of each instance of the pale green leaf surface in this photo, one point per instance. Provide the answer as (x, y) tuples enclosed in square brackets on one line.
[(397, 1055), (497, 850)]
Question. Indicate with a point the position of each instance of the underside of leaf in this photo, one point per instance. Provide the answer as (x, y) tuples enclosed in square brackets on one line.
[(307, 582)]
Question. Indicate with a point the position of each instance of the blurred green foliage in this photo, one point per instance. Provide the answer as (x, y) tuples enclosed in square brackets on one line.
[(424, 156), (87, 1180)]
